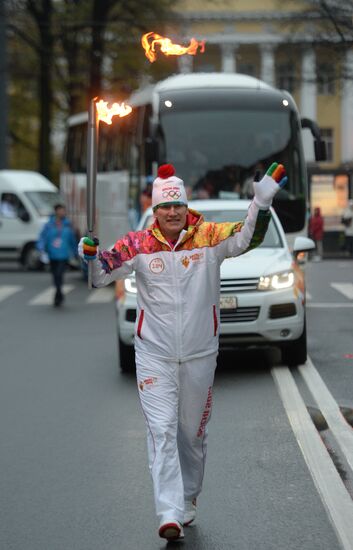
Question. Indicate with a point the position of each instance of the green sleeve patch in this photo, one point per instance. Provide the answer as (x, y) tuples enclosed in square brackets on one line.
[(261, 226)]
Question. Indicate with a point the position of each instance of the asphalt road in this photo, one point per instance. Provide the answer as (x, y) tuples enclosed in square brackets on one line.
[(73, 457)]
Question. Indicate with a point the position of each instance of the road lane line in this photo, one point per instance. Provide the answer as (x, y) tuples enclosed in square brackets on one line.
[(46, 297), (331, 489), (344, 288), (329, 304), (8, 290), (100, 296), (341, 430)]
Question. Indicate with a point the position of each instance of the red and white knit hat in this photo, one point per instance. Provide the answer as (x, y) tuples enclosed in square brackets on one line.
[(167, 188)]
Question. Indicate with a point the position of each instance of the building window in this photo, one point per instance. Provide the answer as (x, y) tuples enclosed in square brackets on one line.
[(327, 137), (246, 68), (325, 79), (286, 76)]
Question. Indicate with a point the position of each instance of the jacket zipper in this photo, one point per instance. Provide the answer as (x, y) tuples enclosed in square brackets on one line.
[(178, 306)]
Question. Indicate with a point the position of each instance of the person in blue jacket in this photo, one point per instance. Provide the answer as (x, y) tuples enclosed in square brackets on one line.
[(57, 239)]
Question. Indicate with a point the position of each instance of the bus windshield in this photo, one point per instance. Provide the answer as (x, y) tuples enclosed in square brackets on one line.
[(217, 143)]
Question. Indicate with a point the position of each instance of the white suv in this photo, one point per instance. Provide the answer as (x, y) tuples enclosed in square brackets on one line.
[(262, 298)]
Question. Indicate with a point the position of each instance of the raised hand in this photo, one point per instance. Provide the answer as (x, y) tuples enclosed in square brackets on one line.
[(265, 189), (87, 248)]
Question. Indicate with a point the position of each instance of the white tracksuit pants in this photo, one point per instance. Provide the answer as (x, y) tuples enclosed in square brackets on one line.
[(176, 400)]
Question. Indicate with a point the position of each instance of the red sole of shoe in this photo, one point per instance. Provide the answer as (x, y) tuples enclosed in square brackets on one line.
[(169, 531)]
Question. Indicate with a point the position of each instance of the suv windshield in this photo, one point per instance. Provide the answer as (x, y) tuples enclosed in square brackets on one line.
[(272, 238), (44, 201)]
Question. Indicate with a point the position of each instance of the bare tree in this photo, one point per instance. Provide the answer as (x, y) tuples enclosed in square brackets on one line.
[(42, 13), (66, 42)]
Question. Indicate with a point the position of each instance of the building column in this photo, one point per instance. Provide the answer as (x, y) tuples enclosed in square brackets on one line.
[(268, 64), (347, 110), (228, 58), (308, 99), (185, 64)]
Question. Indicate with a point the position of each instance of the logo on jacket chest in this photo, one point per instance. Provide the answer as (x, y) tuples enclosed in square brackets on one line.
[(196, 258), (156, 265)]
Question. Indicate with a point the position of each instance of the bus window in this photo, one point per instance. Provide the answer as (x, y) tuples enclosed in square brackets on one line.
[(76, 148)]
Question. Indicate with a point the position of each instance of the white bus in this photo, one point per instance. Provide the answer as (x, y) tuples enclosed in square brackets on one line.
[(217, 129)]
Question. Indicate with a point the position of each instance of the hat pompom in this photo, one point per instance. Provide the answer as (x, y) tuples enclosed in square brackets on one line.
[(166, 171)]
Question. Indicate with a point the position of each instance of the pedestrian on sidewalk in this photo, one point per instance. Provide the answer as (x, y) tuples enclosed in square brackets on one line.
[(177, 265), (347, 221), (316, 232), (57, 240)]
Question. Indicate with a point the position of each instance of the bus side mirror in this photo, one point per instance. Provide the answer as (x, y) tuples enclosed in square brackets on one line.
[(151, 150), (320, 150), (319, 145)]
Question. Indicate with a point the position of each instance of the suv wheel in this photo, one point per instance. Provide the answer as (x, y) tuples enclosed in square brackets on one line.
[(295, 353), (126, 356)]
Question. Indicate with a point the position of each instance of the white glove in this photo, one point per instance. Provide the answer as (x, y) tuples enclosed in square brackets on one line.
[(265, 189), (88, 248)]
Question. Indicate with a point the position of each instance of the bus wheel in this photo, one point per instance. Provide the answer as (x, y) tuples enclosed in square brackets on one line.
[(295, 353), (126, 357)]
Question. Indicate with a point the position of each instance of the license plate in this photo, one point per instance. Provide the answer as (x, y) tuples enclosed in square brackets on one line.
[(228, 302)]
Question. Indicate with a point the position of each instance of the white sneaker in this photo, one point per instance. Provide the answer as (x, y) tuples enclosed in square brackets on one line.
[(172, 530), (189, 511)]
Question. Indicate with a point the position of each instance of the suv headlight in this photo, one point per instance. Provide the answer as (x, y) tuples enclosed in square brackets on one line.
[(130, 285), (276, 281)]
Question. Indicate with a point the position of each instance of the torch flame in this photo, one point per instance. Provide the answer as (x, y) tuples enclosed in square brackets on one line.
[(167, 47), (106, 113)]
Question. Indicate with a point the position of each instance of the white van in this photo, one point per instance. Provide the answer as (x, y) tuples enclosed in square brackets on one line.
[(26, 202)]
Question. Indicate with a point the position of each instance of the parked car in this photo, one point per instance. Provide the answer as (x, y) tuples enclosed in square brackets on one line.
[(262, 301), (26, 201)]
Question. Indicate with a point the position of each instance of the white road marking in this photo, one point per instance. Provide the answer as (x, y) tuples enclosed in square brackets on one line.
[(8, 290), (308, 295), (100, 296), (344, 288), (331, 489), (329, 304), (341, 430), (47, 296)]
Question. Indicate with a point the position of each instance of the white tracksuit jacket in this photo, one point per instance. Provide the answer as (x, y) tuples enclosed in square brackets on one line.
[(178, 290)]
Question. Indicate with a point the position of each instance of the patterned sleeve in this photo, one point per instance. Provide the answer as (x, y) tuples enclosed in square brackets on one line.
[(236, 238), (116, 262)]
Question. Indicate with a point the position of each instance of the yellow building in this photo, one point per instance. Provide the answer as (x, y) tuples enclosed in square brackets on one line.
[(289, 45)]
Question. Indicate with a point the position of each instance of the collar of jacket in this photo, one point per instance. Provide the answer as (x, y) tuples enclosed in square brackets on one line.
[(193, 221), (64, 221)]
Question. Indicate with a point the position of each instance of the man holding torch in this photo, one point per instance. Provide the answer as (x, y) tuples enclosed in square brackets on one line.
[(177, 265)]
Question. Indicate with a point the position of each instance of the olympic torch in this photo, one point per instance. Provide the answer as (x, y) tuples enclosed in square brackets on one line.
[(92, 153), (97, 111)]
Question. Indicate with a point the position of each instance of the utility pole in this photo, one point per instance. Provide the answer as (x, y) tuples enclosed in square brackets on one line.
[(3, 88)]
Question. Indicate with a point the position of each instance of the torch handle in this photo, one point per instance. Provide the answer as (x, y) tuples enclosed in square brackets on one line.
[(90, 266)]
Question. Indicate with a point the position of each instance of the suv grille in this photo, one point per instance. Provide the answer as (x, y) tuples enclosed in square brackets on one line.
[(239, 315), (239, 285)]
